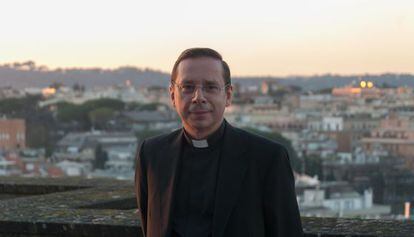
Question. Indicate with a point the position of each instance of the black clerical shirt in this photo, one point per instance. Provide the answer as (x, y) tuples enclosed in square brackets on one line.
[(196, 187)]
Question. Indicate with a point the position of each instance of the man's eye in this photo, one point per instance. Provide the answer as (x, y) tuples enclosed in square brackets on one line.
[(212, 88), (188, 87)]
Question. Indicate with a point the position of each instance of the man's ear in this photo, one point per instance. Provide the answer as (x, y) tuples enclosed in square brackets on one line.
[(229, 95), (172, 96)]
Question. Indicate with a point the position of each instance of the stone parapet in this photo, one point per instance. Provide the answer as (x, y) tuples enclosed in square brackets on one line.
[(105, 207)]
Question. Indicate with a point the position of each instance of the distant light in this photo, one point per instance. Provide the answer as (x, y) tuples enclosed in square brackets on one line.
[(363, 84), (370, 84), (48, 91)]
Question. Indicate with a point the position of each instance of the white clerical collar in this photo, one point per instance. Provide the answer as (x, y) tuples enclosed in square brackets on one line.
[(210, 141), (200, 143)]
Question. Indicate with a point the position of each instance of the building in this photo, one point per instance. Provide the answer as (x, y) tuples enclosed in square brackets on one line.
[(12, 134), (336, 199), (361, 91), (77, 154), (312, 143), (356, 126), (8, 167), (395, 135)]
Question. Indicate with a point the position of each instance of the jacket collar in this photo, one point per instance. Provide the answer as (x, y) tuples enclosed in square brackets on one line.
[(233, 166), (169, 156)]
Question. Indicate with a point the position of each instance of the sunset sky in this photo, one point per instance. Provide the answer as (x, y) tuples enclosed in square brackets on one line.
[(279, 38)]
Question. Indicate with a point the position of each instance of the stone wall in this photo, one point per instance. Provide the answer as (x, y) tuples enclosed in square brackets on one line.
[(104, 207)]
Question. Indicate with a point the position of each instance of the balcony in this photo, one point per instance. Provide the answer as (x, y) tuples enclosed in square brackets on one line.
[(102, 207)]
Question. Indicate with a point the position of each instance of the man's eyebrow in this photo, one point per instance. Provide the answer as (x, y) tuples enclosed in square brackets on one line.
[(187, 82), (204, 81), (211, 82)]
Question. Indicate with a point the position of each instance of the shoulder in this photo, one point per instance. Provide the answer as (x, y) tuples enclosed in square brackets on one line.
[(262, 152), (259, 143), (159, 140), (148, 148), (264, 155), (153, 145)]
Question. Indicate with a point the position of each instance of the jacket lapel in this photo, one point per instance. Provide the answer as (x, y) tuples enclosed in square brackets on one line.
[(233, 166), (169, 156)]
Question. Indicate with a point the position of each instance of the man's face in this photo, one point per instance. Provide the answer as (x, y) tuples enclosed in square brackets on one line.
[(202, 111)]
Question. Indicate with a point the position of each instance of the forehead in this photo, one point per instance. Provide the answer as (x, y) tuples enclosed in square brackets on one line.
[(200, 70)]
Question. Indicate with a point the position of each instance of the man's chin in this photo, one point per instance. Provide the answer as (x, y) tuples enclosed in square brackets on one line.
[(200, 124)]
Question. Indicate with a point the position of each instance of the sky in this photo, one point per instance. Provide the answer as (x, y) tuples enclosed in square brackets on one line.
[(256, 38)]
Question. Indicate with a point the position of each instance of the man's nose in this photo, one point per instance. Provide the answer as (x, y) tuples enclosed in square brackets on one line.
[(199, 96)]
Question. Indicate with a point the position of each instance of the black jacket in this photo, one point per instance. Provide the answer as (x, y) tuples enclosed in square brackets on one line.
[(255, 194)]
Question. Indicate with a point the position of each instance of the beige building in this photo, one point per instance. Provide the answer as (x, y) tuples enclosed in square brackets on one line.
[(395, 135), (350, 91), (356, 127), (12, 133)]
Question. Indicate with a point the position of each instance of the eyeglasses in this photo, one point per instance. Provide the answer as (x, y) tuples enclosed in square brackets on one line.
[(189, 89)]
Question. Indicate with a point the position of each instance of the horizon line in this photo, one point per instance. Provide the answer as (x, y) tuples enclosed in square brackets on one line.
[(46, 68)]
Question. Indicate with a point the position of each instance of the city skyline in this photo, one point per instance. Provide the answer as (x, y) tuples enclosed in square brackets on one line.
[(266, 38)]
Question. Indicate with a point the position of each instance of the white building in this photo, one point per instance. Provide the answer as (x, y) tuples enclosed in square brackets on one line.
[(71, 168), (332, 124), (336, 199), (8, 167)]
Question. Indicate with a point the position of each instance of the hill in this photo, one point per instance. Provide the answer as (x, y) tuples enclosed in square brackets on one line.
[(28, 74)]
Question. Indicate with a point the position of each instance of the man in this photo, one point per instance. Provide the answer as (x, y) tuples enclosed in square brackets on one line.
[(209, 178)]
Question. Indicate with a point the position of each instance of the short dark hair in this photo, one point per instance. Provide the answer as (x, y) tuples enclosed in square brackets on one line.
[(198, 53)]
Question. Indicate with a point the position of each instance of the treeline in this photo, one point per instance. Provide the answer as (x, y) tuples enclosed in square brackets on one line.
[(97, 113), (92, 113)]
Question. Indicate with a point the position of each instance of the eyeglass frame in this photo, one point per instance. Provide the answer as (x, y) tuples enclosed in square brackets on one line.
[(202, 87)]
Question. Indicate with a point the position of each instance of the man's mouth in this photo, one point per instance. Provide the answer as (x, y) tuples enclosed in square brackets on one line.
[(200, 111)]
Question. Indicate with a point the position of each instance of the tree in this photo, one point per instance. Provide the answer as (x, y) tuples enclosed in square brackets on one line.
[(150, 106), (31, 65), (104, 102), (141, 107), (101, 157), (133, 106), (324, 91), (56, 85), (37, 135), (100, 116), (92, 112), (19, 107), (78, 87), (68, 112), (313, 165)]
